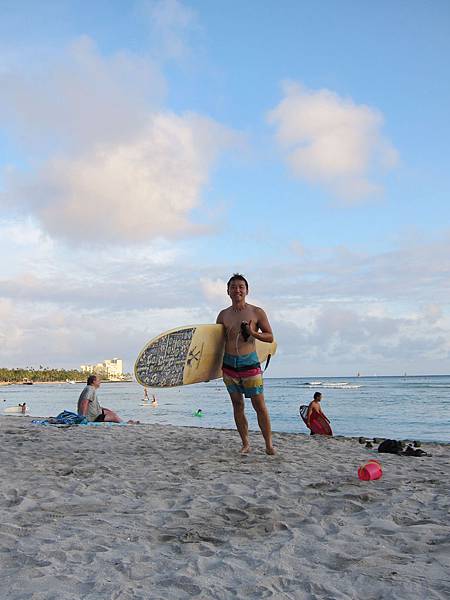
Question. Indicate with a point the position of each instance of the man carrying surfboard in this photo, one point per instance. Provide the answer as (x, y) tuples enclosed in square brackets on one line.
[(242, 374)]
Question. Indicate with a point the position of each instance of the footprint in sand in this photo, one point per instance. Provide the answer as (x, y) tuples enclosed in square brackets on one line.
[(183, 583)]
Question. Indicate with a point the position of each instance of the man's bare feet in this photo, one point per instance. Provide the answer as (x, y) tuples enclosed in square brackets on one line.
[(270, 450), (245, 449)]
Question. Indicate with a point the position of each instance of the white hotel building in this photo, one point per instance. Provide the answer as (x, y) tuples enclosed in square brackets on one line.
[(111, 368)]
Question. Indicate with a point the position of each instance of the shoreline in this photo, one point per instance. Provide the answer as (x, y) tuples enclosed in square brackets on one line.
[(349, 438), (81, 382)]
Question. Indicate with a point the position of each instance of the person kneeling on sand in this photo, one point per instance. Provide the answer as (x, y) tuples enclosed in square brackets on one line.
[(89, 406), (314, 406)]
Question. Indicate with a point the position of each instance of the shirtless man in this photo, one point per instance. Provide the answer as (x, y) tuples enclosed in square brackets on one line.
[(314, 406), (242, 375)]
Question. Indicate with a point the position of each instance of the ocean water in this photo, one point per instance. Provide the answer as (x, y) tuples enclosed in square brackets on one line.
[(395, 407)]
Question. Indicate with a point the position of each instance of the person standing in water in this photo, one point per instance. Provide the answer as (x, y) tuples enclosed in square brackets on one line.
[(242, 374)]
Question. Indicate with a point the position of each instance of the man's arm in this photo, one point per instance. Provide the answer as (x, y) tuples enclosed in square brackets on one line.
[(323, 414), (308, 415), (84, 407), (219, 320), (87, 396), (262, 324)]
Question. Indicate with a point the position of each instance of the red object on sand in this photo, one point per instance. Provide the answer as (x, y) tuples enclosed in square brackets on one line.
[(370, 471)]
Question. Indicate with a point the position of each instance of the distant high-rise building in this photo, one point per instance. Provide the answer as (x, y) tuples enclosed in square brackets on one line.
[(111, 368)]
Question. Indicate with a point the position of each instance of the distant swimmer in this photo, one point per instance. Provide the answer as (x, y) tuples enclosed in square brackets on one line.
[(154, 401)]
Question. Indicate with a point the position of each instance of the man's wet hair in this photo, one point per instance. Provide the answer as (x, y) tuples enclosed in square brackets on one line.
[(317, 395), (91, 379), (237, 277)]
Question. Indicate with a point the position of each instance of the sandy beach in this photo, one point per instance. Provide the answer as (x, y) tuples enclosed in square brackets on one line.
[(162, 512)]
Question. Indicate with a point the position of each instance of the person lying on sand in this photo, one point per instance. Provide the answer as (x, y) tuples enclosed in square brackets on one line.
[(89, 406)]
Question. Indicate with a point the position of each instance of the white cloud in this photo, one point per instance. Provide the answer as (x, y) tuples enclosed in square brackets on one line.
[(79, 98), (172, 22), (297, 248), (215, 290), (6, 307), (108, 163), (22, 233), (432, 313), (130, 192), (59, 335), (329, 325), (332, 141), (24, 246), (414, 270), (342, 338)]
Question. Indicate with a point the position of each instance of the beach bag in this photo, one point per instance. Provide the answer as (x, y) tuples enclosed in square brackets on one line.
[(391, 447)]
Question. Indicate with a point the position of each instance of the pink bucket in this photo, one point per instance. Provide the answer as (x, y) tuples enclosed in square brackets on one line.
[(370, 471)]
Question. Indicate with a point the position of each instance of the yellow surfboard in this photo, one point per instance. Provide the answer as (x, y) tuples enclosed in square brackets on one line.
[(187, 355)]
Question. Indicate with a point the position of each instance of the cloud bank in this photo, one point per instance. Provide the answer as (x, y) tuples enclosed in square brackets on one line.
[(333, 313), (129, 192), (113, 164), (331, 141)]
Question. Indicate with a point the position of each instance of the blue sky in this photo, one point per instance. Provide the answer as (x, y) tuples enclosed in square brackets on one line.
[(149, 150)]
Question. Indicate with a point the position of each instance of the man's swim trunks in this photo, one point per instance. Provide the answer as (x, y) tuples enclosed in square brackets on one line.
[(243, 374), (100, 418)]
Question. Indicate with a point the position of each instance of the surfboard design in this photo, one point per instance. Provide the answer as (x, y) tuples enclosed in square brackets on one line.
[(187, 355), (319, 425)]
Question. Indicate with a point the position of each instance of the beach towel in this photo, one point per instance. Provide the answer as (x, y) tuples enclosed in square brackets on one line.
[(66, 417)]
